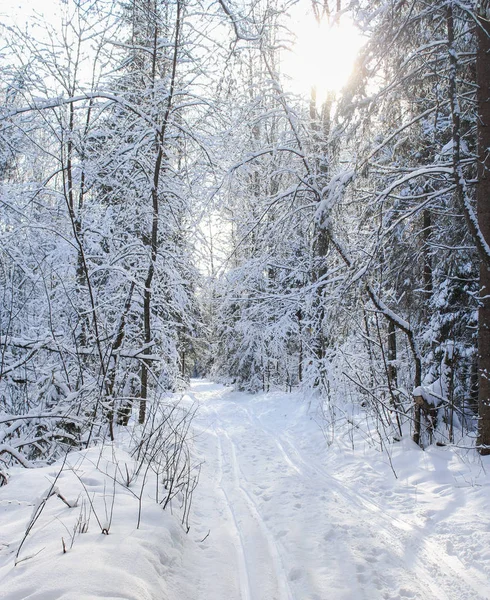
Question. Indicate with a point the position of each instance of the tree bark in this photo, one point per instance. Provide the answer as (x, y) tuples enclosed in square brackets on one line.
[(483, 212), (160, 141), (427, 257), (392, 368)]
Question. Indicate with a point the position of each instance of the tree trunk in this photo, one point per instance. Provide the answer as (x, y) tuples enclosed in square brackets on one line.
[(299, 316), (483, 211), (392, 369), (153, 242), (427, 257)]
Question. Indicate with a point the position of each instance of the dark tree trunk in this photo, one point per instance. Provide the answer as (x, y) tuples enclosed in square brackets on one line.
[(153, 242), (427, 257), (483, 210), (299, 316), (392, 369)]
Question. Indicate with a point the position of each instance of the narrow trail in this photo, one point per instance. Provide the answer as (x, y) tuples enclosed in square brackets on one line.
[(276, 525)]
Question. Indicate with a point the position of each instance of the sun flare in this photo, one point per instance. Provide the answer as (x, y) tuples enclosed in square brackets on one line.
[(322, 57)]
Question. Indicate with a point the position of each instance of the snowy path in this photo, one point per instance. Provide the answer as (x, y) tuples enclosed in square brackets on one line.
[(277, 515), (278, 525)]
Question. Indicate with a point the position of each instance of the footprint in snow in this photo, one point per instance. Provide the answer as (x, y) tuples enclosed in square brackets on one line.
[(449, 547), (88, 481), (404, 593), (295, 574), (329, 535), (361, 577), (371, 559)]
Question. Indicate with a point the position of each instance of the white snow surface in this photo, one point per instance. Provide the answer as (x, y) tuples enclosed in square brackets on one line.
[(279, 514)]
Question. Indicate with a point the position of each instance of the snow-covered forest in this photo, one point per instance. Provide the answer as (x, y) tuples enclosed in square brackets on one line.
[(177, 202)]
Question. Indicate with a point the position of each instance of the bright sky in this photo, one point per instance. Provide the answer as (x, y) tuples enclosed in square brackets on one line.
[(323, 56), (18, 10)]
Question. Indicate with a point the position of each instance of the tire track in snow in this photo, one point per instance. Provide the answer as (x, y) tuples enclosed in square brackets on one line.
[(259, 581), (431, 550), (314, 576), (243, 573), (280, 573), (410, 562)]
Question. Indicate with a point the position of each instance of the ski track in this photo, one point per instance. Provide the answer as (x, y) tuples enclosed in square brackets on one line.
[(244, 577), (300, 533), (267, 573), (430, 549)]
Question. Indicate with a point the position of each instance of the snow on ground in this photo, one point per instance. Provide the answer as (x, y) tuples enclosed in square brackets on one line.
[(278, 515), (290, 519), (134, 563)]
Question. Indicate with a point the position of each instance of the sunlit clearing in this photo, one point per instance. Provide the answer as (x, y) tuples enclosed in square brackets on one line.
[(323, 56)]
